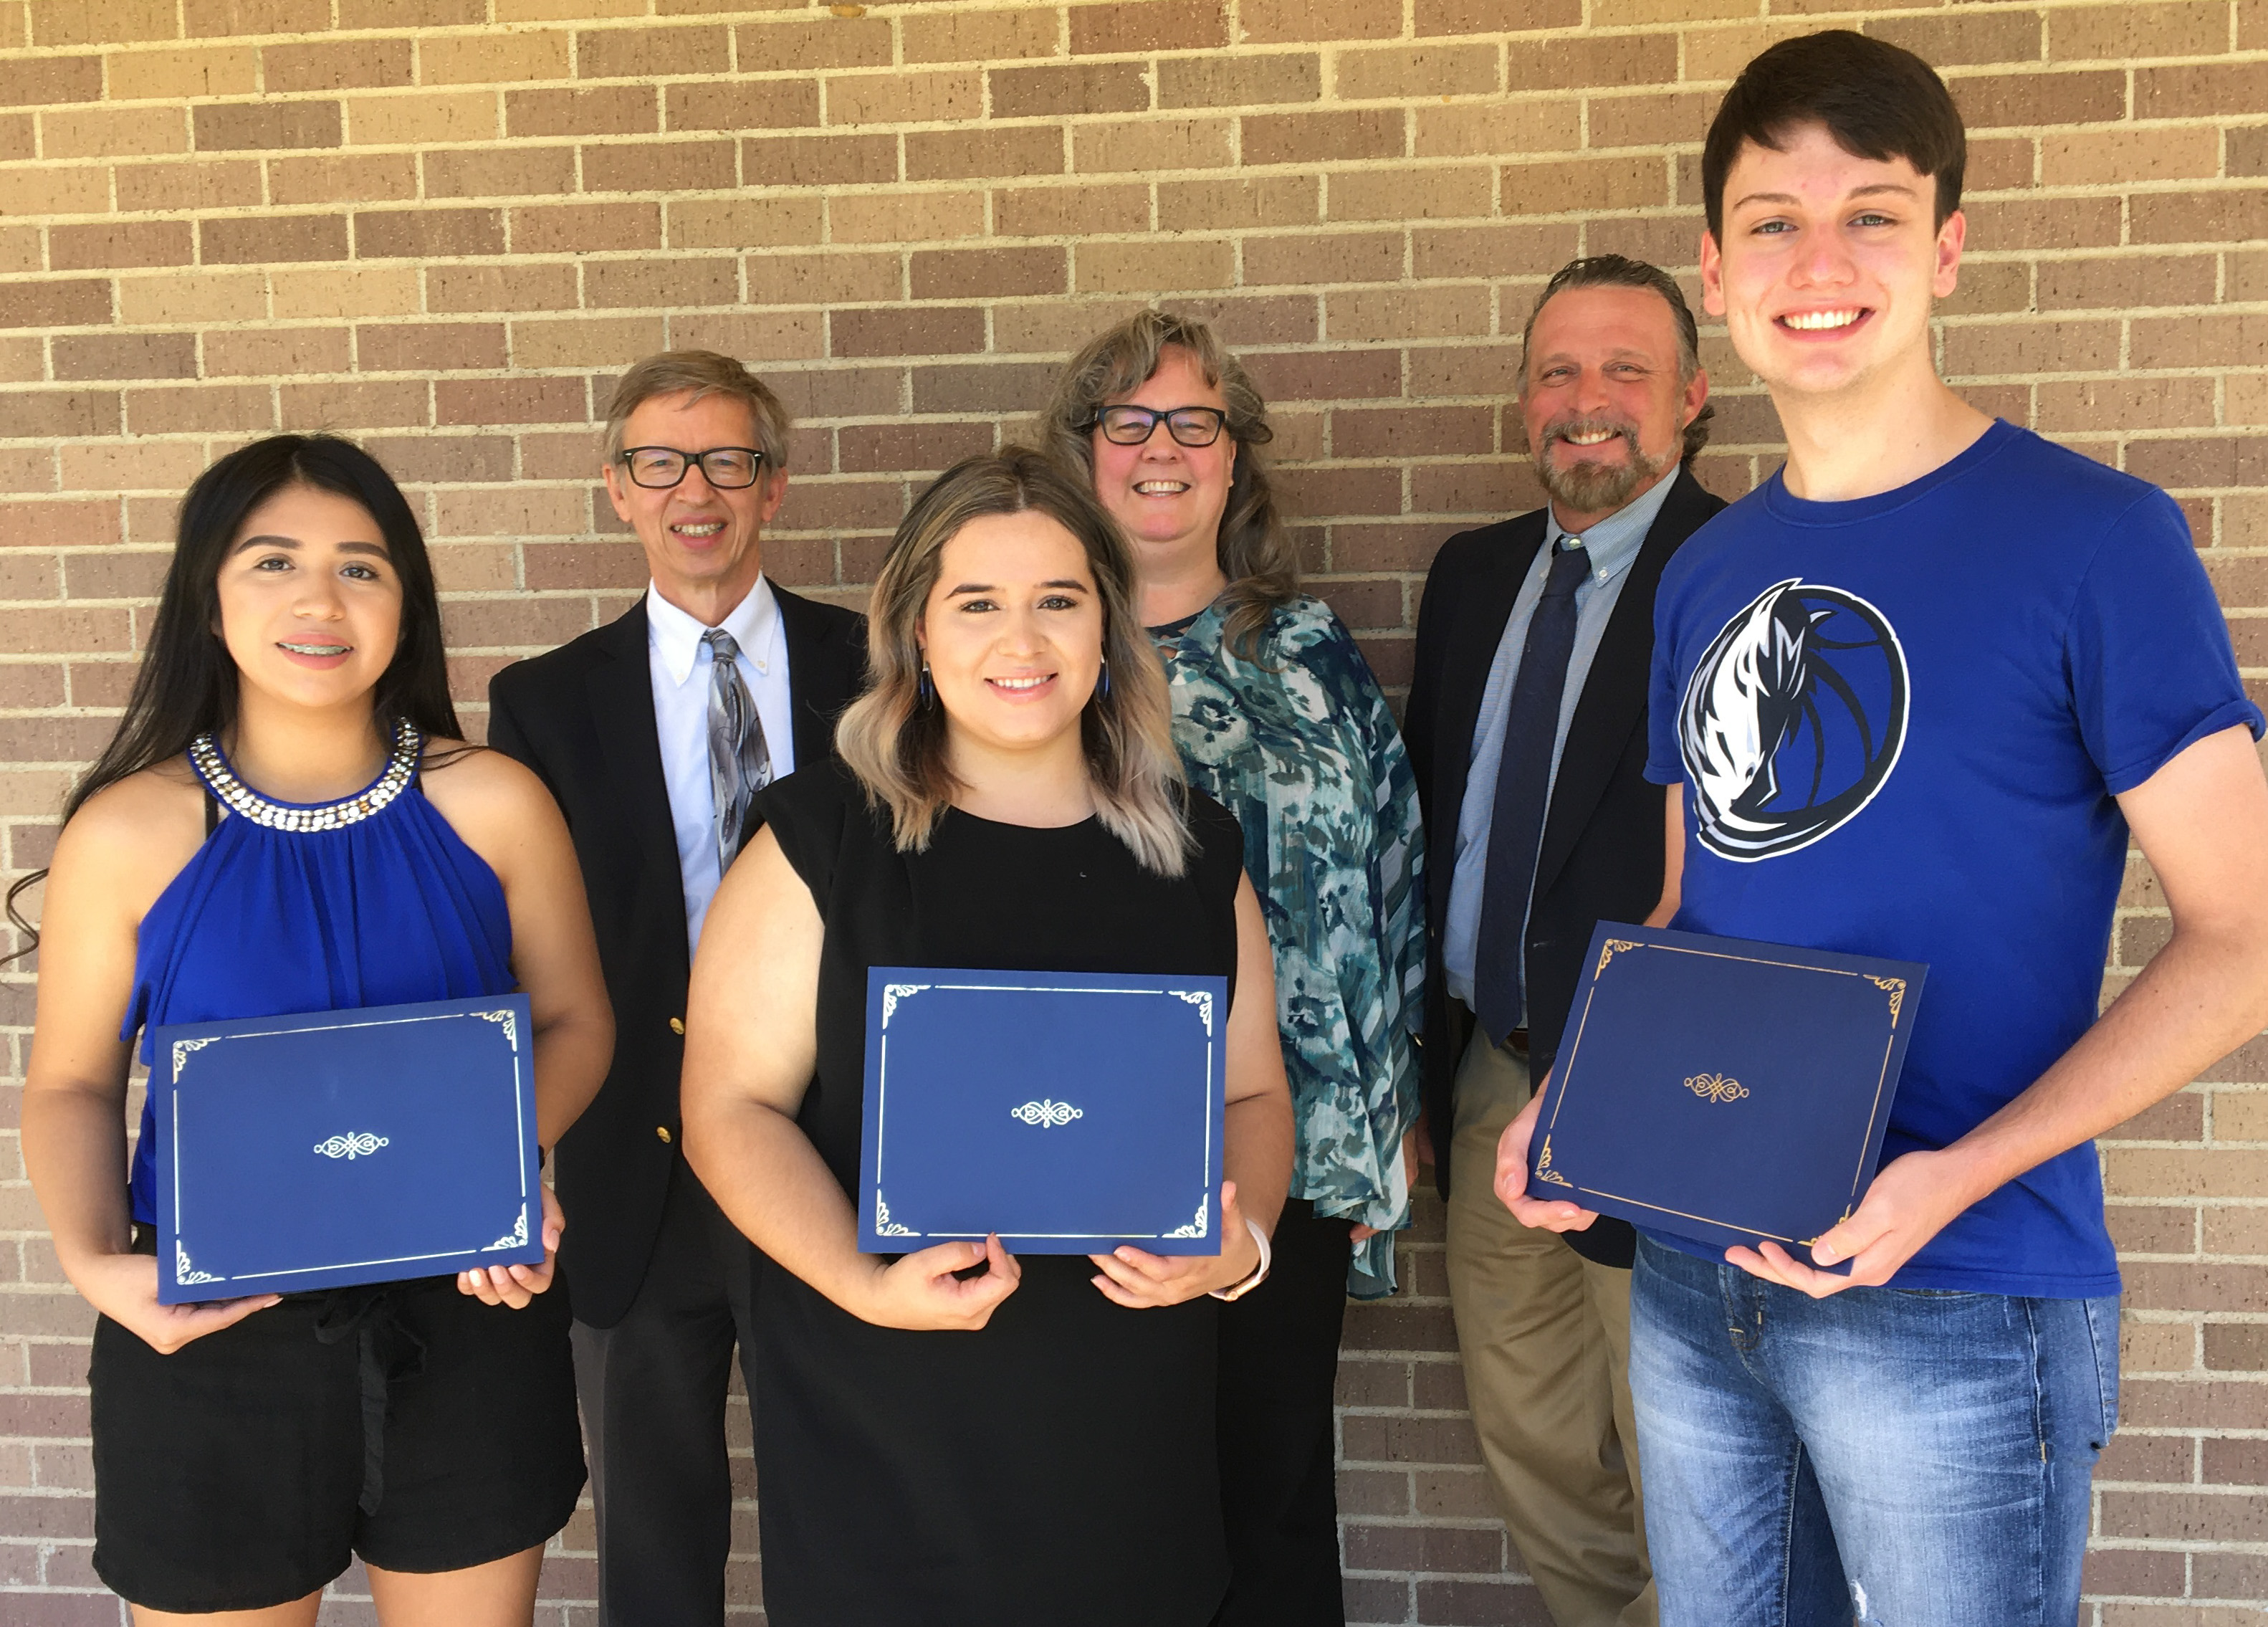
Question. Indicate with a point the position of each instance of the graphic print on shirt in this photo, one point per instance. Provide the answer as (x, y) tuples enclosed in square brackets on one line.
[(1792, 719)]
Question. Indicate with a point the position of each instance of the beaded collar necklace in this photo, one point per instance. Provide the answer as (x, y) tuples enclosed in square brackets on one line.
[(240, 799)]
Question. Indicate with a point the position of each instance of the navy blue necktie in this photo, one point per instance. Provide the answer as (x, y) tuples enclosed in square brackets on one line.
[(1523, 789)]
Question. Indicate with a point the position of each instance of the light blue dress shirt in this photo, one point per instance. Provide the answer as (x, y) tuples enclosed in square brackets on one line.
[(680, 664), (1613, 545)]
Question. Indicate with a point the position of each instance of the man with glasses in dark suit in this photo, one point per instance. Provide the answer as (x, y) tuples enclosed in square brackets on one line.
[(654, 732), (1527, 728)]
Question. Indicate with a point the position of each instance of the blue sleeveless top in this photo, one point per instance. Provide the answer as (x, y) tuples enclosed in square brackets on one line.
[(295, 907)]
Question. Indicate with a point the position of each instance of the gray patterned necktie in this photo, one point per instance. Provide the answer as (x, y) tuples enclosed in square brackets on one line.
[(740, 763)]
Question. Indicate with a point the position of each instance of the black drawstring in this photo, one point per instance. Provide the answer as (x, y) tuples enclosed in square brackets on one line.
[(388, 1351)]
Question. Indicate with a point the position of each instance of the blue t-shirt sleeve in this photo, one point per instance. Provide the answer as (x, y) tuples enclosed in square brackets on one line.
[(1665, 765), (2146, 652)]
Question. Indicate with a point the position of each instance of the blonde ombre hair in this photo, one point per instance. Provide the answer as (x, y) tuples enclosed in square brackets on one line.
[(1255, 551), (895, 745)]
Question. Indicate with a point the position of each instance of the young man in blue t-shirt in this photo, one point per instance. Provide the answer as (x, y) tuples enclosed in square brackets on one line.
[(1910, 697)]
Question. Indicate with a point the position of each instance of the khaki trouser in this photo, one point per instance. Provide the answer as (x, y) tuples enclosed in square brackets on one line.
[(1545, 1339)]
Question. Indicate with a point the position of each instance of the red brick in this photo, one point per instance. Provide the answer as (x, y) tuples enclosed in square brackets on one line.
[(81, 303), (335, 65), (223, 127), (428, 233), (271, 239), (125, 356), (1085, 87), (741, 105), (599, 110), (106, 245), (510, 400), (1148, 25)]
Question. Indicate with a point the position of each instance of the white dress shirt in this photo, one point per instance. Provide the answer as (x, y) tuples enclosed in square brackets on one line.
[(680, 664)]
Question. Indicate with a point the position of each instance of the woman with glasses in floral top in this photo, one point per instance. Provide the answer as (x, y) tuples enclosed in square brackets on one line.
[(1278, 717)]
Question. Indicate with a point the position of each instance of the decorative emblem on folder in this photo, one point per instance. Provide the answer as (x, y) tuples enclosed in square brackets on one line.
[(1047, 1115), (517, 1238), (1716, 1087), (359, 1143), (1612, 945), (884, 1226), (1196, 1227), (1543, 1170), (1896, 988), (184, 1273), (1202, 1000), (892, 993)]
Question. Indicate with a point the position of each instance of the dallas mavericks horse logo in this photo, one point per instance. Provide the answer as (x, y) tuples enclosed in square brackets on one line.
[(1793, 720)]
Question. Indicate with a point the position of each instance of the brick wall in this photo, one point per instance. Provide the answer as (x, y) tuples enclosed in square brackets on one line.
[(441, 225)]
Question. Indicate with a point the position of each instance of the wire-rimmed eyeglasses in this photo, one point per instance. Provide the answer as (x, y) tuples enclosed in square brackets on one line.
[(728, 469), (1131, 426)]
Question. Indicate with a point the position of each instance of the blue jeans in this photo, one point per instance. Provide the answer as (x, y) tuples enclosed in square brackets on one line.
[(1896, 1458)]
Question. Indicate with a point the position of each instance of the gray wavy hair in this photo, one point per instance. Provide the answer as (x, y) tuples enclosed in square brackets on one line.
[(1255, 552)]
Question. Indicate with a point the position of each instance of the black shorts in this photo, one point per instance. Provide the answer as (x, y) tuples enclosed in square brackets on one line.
[(238, 1472)]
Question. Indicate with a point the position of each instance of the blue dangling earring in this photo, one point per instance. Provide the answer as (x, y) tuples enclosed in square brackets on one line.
[(925, 692), (1102, 689)]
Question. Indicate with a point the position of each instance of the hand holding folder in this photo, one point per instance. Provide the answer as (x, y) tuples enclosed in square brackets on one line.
[(1728, 1092)]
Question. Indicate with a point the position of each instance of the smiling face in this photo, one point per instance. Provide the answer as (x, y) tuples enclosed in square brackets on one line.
[(1603, 404), (1830, 264), (1168, 498), (1012, 633), (310, 601), (703, 546)]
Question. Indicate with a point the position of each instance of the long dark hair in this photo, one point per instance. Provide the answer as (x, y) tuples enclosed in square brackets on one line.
[(187, 684)]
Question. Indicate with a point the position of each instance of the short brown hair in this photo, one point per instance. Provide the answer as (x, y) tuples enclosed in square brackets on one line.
[(1255, 551), (895, 744), (1877, 100), (1621, 271), (699, 373)]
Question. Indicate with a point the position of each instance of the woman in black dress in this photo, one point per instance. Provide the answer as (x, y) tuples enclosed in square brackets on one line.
[(953, 1438)]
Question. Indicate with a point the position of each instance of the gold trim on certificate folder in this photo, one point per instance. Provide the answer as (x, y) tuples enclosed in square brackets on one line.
[(1894, 986)]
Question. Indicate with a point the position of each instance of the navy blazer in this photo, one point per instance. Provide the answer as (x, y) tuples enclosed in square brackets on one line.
[(582, 718), (1603, 834)]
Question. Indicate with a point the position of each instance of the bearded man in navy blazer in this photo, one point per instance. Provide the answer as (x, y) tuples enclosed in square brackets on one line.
[(653, 732), (1527, 731)]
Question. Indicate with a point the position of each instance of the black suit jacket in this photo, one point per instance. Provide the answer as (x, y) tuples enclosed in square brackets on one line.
[(582, 717), (1603, 834)]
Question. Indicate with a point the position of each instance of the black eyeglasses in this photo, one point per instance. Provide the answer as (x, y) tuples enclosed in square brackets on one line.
[(1131, 426), (728, 469)]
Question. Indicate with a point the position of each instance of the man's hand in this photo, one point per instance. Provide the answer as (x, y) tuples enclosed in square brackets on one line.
[(1551, 1214), (1913, 1198)]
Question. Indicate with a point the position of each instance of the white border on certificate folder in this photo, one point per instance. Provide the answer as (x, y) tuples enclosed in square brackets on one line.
[(181, 1050)]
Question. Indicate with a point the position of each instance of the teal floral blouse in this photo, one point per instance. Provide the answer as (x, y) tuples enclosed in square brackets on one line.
[(1297, 743)]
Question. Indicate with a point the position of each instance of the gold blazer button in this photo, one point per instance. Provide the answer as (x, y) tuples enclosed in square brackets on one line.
[(677, 1025), (662, 1131)]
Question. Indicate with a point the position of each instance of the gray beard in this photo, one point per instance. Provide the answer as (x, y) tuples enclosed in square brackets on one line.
[(1588, 487)]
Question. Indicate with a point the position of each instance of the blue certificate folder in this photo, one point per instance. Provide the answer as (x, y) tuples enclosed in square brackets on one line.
[(1724, 1090), (347, 1146), (1070, 1112)]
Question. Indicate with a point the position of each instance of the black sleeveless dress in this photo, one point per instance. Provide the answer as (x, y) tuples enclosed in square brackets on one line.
[(1056, 1469)]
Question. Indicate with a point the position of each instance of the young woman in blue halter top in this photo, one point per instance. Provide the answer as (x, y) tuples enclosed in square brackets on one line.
[(288, 821)]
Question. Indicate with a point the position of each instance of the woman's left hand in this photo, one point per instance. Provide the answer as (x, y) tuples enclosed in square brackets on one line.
[(517, 1285), (1140, 1280)]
